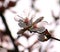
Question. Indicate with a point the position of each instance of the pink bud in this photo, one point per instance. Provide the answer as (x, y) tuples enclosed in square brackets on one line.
[(35, 26), (26, 20)]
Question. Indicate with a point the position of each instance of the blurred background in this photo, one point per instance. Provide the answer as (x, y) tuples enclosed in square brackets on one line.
[(10, 10)]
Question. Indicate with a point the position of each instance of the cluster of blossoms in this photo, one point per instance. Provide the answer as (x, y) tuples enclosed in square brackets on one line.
[(27, 24)]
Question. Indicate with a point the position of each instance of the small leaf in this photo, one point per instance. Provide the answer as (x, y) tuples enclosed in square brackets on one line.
[(41, 29), (42, 37), (21, 23), (38, 30), (39, 20), (30, 22)]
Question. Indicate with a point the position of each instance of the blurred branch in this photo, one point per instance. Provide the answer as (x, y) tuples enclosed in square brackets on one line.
[(8, 31)]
